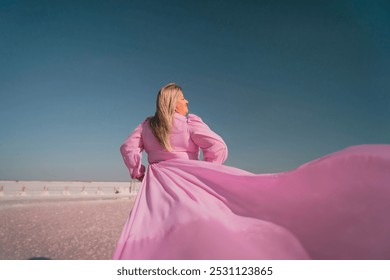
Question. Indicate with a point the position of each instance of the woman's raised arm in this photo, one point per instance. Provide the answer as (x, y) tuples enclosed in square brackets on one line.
[(131, 151)]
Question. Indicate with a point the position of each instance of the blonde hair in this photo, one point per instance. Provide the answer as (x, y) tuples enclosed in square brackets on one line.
[(161, 122)]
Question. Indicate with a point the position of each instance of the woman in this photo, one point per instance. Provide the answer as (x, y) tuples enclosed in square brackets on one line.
[(331, 208)]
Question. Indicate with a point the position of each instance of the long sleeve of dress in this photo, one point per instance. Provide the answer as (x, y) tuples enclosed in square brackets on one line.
[(213, 147), (131, 151)]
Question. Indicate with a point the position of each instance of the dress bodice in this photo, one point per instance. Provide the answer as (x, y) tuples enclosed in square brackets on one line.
[(183, 147), (188, 135)]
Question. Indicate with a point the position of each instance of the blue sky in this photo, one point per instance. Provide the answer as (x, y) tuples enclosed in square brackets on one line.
[(283, 82)]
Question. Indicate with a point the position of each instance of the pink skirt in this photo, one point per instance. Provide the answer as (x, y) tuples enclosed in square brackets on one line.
[(335, 207)]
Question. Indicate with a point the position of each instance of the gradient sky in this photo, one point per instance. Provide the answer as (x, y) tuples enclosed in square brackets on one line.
[(283, 82)]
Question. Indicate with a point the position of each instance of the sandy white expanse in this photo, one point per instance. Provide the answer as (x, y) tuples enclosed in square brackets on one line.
[(34, 189), (65, 220), (62, 229)]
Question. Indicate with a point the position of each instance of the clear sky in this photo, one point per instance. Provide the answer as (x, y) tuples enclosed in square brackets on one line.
[(283, 82)]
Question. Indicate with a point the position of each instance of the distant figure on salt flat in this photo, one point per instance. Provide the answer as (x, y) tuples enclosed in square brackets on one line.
[(45, 191), (66, 191), (83, 191), (23, 191), (99, 191)]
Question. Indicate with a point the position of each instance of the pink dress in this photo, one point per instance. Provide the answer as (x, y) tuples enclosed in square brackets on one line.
[(335, 207)]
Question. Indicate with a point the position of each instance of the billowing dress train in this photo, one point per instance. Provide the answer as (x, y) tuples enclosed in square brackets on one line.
[(335, 207)]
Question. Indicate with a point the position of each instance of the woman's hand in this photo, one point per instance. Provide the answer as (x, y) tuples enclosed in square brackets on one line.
[(141, 178)]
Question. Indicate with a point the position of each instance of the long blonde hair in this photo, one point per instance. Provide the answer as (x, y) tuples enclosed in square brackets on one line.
[(161, 122)]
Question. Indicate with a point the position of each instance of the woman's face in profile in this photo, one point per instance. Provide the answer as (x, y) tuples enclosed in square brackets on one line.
[(182, 105)]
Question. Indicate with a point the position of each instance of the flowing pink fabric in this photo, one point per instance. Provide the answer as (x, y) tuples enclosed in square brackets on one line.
[(335, 207)]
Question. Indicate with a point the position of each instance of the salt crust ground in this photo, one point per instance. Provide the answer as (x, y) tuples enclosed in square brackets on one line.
[(62, 230)]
